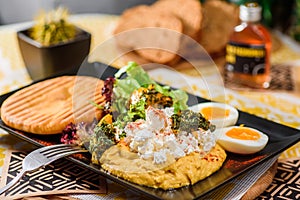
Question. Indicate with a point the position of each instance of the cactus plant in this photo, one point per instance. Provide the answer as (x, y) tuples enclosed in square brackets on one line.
[(53, 27)]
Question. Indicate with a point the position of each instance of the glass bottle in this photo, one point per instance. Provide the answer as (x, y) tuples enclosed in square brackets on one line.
[(248, 50)]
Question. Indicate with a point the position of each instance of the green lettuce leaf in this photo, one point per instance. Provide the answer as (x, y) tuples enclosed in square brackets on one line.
[(136, 78)]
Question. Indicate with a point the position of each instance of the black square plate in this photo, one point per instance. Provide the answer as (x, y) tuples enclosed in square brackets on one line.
[(280, 138)]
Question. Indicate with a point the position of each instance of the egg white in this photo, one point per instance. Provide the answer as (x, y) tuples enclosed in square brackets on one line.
[(240, 146), (219, 122)]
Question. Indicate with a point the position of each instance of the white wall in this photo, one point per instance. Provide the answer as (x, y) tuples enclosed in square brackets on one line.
[(12, 11)]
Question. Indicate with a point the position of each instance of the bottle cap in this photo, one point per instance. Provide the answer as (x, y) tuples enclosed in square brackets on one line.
[(250, 12)]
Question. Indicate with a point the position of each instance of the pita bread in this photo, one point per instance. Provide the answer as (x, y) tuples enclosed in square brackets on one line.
[(48, 106)]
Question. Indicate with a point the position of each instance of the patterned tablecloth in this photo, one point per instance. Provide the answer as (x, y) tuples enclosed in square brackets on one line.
[(280, 104)]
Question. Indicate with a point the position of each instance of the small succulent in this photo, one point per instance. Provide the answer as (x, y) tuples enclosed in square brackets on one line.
[(53, 27)]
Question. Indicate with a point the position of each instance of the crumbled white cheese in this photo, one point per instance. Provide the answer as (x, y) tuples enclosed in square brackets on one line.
[(158, 141), (206, 139), (191, 143), (169, 111), (153, 138), (160, 156), (146, 150), (156, 119)]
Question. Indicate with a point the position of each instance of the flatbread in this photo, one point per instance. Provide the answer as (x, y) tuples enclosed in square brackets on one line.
[(48, 106), (118, 160)]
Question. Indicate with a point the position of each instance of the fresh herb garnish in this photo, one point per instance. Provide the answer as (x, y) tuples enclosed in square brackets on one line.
[(189, 121)]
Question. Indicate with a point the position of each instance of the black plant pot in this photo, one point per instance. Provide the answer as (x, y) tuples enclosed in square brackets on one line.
[(47, 61)]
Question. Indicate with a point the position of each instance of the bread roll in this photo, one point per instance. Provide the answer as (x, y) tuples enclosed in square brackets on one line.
[(152, 34), (219, 20)]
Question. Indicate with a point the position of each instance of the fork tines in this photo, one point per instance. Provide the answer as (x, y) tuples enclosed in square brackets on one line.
[(61, 149)]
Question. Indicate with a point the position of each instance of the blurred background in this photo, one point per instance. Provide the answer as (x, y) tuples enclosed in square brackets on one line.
[(283, 15), (13, 11)]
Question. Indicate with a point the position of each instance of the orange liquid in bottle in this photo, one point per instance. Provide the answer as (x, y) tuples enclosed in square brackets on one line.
[(248, 55)]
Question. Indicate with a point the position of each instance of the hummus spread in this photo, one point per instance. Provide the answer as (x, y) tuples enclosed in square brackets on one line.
[(187, 170)]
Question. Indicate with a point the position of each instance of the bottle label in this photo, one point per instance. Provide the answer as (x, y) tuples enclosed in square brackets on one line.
[(245, 58)]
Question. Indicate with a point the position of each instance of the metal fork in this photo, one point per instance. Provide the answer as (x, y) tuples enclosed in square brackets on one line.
[(42, 157)]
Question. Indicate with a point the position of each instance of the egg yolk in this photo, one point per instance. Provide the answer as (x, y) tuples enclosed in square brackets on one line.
[(243, 134), (215, 112)]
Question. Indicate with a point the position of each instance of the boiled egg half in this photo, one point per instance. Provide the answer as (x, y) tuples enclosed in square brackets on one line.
[(241, 140), (219, 114)]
